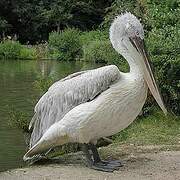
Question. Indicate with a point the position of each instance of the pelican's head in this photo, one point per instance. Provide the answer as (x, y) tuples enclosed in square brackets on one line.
[(126, 25), (127, 38)]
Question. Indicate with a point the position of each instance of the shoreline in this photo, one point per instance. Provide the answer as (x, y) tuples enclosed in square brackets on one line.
[(140, 162)]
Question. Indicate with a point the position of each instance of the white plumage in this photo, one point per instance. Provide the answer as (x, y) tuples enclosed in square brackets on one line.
[(88, 105), (68, 93)]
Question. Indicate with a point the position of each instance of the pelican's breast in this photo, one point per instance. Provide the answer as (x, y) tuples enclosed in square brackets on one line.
[(109, 113), (115, 108), (124, 103)]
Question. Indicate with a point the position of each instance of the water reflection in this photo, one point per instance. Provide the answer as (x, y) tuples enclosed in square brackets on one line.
[(16, 88)]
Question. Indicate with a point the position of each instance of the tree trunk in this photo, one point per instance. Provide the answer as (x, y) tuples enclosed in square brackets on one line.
[(58, 27)]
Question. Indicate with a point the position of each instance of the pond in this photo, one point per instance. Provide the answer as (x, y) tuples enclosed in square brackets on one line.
[(16, 90)]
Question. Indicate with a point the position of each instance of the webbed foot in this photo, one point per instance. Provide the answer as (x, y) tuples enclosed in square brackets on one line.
[(94, 161)]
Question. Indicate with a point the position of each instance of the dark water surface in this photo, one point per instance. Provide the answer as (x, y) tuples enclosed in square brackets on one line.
[(16, 89)]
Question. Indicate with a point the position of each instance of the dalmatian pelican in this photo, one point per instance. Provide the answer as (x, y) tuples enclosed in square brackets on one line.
[(88, 105)]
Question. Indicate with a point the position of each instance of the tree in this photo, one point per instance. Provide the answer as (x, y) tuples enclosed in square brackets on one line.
[(4, 27), (33, 20)]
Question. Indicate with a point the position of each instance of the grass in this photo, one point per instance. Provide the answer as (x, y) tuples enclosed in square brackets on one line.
[(18, 118), (11, 49), (27, 53), (43, 83), (152, 130)]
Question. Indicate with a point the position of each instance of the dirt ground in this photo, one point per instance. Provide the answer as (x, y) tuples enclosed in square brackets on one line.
[(139, 164)]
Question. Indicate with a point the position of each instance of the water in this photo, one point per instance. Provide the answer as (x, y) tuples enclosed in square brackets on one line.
[(16, 89)]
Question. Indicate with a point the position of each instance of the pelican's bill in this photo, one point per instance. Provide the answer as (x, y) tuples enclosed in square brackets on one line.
[(138, 43)]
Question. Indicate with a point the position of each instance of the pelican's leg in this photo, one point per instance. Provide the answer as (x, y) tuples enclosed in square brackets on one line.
[(85, 149), (112, 164), (92, 164)]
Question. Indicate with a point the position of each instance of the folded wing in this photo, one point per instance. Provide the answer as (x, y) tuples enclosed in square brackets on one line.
[(68, 93)]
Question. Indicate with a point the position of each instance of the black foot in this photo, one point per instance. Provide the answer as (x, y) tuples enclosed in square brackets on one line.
[(114, 163), (95, 162), (101, 166)]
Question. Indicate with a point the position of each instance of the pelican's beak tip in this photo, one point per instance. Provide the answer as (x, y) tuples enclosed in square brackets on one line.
[(165, 112)]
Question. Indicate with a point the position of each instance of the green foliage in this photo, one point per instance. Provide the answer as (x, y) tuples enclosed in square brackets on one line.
[(4, 26), (18, 119), (164, 40), (137, 7), (27, 53), (164, 47), (162, 14), (96, 35), (102, 52), (10, 49), (33, 20), (59, 13), (168, 72), (42, 83), (67, 43), (41, 50), (154, 129), (98, 51)]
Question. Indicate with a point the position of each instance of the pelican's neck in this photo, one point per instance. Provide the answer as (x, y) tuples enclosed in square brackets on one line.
[(118, 44), (134, 67)]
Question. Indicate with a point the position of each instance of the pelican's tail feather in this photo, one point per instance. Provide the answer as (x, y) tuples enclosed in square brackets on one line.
[(37, 149), (43, 145)]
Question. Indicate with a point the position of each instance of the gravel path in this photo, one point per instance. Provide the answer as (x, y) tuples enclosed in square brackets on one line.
[(161, 165)]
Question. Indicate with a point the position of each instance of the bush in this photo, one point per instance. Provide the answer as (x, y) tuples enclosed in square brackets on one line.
[(164, 47), (87, 37), (43, 83), (67, 43), (27, 53), (117, 7), (10, 49), (102, 52), (163, 13), (18, 119), (41, 51), (168, 71)]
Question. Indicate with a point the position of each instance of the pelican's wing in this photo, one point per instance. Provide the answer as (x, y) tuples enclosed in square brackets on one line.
[(67, 93)]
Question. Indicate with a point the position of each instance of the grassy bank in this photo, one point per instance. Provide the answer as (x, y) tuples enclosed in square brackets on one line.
[(151, 130), (11, 49)]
